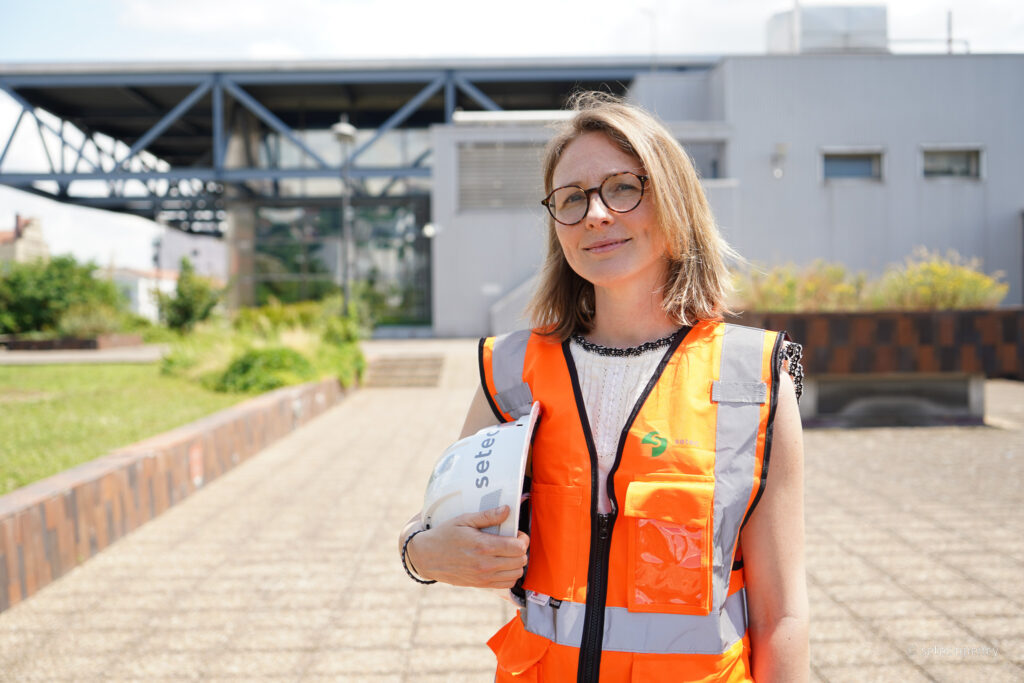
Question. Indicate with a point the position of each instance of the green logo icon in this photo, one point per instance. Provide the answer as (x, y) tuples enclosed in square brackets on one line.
[(657, 442)]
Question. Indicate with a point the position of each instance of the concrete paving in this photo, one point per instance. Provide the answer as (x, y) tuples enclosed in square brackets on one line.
[(286, 569), (146, 353)]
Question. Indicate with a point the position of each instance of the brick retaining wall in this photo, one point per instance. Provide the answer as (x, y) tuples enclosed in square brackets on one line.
[(49, 527)]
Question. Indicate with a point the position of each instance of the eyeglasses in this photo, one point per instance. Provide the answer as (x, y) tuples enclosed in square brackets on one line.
[(620, 192)]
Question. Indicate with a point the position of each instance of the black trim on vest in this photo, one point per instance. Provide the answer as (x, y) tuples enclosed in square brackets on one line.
[(775, 361), (589, 663), (737, 564), (483, 379), (673, 345)]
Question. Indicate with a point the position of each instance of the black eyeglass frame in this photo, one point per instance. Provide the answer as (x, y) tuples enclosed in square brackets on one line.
[(546, 202)]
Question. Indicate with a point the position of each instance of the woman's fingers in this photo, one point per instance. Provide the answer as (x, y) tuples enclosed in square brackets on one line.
[(460, 553)]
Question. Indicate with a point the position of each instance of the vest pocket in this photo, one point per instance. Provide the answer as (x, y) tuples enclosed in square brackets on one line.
[(518, 652), (670, 540), (554, 539)]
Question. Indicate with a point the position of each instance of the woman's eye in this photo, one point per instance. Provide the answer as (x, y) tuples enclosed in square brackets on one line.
[(574, 198)]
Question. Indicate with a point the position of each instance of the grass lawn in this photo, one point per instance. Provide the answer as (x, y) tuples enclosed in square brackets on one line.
[(53, 417)]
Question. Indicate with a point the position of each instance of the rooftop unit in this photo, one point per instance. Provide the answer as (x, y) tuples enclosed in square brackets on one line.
[(829, 29)]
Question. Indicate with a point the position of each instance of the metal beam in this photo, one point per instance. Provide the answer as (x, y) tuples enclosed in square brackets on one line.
[(250, 103), (477, 95), (416, 163), (155, 108), (28, 107), (10, 139), (234, 175), (42, 140), (624, 71), (171, 116), (118, 80), (407, 110), (449, 96), (80, 151), (219, 146)]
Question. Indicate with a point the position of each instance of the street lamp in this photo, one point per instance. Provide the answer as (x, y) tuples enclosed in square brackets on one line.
[(345, 133)]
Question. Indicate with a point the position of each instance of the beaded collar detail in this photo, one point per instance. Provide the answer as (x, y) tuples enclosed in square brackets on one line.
[(631, 351)]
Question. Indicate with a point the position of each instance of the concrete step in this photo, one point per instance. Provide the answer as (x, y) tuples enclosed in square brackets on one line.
[(404, 371)]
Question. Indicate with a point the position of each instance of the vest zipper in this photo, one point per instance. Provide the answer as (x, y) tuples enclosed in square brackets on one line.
[(589, 667)]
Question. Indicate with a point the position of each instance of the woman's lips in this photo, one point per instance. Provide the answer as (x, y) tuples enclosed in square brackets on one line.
[(605, 246)]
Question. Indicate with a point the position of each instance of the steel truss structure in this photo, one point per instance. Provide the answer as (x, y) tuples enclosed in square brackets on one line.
[(169, 127)]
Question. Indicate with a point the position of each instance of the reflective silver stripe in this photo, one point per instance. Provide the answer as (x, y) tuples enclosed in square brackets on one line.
[(649, 632), (491, 500), (739, 392), (515, 401), (735, 450), (512, 395)]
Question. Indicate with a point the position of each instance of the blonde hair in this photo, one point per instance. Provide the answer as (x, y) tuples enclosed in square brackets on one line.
[(698, 280)]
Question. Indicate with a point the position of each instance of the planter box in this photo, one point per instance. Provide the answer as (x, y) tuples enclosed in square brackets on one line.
[(49, 527), (987, 342), (900, 367), (103, 341)]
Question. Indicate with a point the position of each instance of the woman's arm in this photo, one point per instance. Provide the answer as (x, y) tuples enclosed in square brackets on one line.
[(773, 555), (457, 552)]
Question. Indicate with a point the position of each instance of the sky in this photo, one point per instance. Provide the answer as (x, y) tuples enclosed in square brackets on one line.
[(188, 30), (133, 31)]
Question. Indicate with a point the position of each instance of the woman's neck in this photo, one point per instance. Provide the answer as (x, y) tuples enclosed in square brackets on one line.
[(625, 318)]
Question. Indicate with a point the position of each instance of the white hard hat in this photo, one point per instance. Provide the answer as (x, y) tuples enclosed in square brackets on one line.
[(481, 472)]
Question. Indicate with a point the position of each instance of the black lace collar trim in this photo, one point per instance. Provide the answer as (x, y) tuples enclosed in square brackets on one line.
[(631, 351)]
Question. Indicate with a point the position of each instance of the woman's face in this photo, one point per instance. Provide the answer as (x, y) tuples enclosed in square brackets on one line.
[(609, 249)]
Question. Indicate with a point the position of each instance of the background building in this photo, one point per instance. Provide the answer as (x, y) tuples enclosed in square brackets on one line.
[(852, 158), (828, 147), (140, 288), (24, 243)]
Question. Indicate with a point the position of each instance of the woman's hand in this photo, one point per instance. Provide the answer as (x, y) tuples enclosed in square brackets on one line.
[(459, 553)]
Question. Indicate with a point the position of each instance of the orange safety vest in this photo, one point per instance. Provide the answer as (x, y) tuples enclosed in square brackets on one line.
[(653, 591)]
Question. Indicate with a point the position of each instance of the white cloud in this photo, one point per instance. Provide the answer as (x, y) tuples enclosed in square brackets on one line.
[(274, 50)]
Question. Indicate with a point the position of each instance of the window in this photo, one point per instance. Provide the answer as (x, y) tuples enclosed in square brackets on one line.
[(952, 163), (853, 165)]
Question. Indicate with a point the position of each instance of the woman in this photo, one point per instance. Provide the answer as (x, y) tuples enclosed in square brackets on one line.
[(662, 546)]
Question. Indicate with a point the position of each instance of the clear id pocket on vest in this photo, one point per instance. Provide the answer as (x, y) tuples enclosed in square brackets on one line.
[(670, 542)]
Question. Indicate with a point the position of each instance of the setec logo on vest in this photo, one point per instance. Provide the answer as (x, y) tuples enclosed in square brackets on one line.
[(657, 442)]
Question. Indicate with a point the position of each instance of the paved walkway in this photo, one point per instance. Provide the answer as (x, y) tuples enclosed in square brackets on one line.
[(147, 353), (286, 569)]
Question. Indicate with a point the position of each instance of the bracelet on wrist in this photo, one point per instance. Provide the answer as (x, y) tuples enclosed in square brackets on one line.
[(413, 574)]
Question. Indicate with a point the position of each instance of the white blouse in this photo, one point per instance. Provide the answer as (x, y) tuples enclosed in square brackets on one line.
[(611, 386)]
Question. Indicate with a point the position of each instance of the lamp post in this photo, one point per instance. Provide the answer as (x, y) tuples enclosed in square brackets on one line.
[(345, 133)]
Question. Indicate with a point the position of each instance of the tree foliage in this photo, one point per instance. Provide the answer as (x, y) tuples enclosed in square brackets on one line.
[(35, 296), (193, 301)]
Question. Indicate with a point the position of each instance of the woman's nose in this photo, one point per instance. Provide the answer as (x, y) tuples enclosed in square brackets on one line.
[(597, 212)]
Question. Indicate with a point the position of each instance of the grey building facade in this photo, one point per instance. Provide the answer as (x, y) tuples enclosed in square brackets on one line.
[(852, 158)]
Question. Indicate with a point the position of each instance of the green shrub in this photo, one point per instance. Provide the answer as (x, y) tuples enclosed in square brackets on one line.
[(271, 346), (346, 362), (204, 352), (193, 301), (265, 369), (820, 286), (83, 321), (927, 281), (34, 296), (152, 333)]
